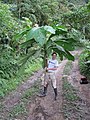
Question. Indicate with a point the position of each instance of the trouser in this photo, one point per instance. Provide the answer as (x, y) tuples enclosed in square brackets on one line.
[(46, 78), (49, 77)]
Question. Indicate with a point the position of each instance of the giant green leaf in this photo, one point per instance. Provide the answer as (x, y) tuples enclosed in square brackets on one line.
[(59, 30), (38, 34), (21, 34), (27, 43), (65, 53), (69, 55), (30, 34), (49, 29), (65, 44)]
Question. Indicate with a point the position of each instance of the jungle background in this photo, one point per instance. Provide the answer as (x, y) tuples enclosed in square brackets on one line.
[(19, 58)]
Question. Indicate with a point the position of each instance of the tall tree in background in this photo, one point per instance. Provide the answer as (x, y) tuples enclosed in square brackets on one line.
[(41, 11)]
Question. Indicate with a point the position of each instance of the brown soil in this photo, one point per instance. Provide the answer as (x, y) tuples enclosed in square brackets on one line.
[(83, 91), (46, 108)]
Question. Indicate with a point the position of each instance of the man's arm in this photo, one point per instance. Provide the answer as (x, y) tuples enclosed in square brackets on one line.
[(52, 68)]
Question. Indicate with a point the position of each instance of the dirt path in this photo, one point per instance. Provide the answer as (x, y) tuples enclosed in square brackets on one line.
[(74, 79), (83, 91), (46, 108), (40, 108), (15, 96)]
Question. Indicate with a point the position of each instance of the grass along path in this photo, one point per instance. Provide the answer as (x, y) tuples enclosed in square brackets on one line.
[(14, 99)]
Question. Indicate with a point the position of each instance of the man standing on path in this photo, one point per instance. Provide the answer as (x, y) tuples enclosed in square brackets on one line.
[(50, 75)]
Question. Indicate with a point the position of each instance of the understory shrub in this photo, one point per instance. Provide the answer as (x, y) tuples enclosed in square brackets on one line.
[(8, 64), (11, 73), (84, 63)]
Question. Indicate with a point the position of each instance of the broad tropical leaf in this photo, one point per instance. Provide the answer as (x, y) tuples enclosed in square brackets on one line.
[(59, 30), (38, 34), (65, 44), (34, 53), (63, 52), (69, 55), (43, 37), (62, 28), (60, 48), (49, 29), (27, 43), (30, 34), (20, 35)]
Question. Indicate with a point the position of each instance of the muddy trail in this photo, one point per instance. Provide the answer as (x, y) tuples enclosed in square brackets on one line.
[(82, 111), (46, 108)]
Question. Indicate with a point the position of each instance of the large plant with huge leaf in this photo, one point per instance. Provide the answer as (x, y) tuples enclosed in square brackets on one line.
[(42, 41)]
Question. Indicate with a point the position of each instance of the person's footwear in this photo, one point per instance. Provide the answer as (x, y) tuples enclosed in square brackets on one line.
[(55, 91), (43, 94)]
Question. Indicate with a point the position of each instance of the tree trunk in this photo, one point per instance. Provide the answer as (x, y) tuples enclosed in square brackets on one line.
[(45, 57)]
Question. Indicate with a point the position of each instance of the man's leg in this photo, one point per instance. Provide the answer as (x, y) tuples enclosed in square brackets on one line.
[(53, 78), (45, 89), (43, 94), (55, 91)]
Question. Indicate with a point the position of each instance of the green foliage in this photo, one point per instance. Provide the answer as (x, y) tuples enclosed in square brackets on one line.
[(8, 65), (8, 25), (10, 54), (78, 19), (47, 39), (69, 93), (18, 110), (42, 12), (21, 109), (37, 10), (7, 85), (68, 68), (30, 92), (41, 41), (84, 63)]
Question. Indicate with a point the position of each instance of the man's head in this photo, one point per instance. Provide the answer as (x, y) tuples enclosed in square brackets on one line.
[(36, 25), (54, 55)]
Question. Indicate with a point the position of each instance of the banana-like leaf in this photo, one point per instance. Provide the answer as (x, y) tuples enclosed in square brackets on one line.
[(49, 43), (34, 53), (39, 34), (20, 35), (69, 55), (30, 34), (59, 30), (60, 48), (60, 27), (65, 44), (70, 40), (57, 51), (49, 29), (27, 43), (63, 52)]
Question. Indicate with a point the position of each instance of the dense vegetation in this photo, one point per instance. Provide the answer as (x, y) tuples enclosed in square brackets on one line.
[(70, 21)]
